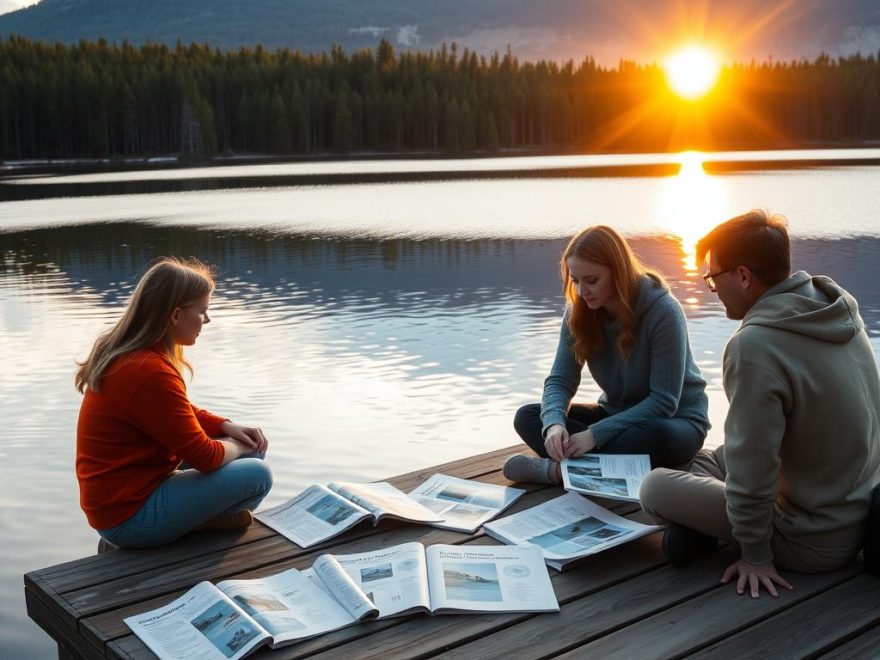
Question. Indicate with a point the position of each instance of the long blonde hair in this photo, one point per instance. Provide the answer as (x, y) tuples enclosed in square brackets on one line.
[(168, 284), (604, 246)]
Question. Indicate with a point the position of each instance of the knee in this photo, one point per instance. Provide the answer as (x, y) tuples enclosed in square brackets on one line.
[(673, 442), (525, 417), (264, 476), (258, 475), (653, 490)]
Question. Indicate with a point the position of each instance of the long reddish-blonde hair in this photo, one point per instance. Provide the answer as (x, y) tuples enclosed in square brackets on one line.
[(168, 284), (604, 246)]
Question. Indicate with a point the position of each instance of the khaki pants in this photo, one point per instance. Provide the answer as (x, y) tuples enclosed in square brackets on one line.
[(695, 499)]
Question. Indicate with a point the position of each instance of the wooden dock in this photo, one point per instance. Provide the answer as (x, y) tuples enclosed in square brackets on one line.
[(627, 602)]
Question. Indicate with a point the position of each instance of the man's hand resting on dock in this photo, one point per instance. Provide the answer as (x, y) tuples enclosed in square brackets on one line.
[(756, 575)]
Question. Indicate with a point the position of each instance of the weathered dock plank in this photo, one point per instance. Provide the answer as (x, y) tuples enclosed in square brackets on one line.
[(812, 626), (704, 619), (862, 647)]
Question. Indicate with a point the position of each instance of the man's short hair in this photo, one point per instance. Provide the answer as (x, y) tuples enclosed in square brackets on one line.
[(757, 240)]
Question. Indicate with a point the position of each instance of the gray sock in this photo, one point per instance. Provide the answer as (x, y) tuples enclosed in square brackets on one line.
[(525, 468)]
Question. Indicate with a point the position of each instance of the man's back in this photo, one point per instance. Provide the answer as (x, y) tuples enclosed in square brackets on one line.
[(804, 392)]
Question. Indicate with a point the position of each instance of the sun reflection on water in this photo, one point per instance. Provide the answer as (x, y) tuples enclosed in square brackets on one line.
[(691, 204)]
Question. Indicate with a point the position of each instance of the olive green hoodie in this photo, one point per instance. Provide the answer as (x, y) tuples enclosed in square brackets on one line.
[(802, 436)]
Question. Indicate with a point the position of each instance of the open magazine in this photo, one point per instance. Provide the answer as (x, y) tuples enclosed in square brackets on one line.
[(235, 617), (464, 504), (616, 476), (568, 528), (409, 578), (321, 512)]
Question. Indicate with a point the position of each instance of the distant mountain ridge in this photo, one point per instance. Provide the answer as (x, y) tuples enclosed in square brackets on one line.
[(545, 29)]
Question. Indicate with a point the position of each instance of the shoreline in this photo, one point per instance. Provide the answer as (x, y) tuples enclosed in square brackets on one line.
[(22, 181), (175, 161)]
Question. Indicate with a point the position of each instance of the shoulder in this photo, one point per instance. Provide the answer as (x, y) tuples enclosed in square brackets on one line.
[(140, 365), (657, 305), (754, 341)]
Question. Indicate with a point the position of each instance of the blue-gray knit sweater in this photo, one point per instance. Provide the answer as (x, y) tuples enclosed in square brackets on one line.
[(660, 378)]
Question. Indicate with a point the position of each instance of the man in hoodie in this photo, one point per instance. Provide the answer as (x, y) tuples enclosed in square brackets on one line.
[(791, 485)]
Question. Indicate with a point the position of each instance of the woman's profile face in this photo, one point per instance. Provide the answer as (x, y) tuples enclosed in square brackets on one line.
[(186, 322), (593, 283)]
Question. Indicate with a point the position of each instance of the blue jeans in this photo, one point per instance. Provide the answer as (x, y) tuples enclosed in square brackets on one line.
[(669, 442), (187, 498)]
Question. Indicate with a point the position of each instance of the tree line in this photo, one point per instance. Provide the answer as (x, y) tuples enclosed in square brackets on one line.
[(98, 100)]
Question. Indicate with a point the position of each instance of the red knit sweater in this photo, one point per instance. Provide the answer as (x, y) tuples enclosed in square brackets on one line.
[(134, 432)]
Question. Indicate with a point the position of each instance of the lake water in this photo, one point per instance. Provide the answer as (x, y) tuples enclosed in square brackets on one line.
[(369, 328)]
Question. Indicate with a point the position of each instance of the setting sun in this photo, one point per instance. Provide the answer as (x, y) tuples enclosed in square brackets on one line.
[(692, 71)]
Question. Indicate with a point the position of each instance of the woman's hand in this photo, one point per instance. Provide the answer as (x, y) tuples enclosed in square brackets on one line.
[(247, 435), (556, 442), (580, 443)]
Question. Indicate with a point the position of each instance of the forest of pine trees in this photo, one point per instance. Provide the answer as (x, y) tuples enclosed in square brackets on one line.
[(95, 99)]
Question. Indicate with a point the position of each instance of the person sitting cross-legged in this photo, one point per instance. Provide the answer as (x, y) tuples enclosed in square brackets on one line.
[(791, 485)]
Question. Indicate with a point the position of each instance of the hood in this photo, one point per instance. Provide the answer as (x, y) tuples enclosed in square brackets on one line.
[(811, 306), (651, 289)]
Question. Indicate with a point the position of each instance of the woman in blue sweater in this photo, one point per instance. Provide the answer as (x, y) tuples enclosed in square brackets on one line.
[(622, 322)]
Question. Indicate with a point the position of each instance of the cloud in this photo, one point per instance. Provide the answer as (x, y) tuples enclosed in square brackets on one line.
[(408, 35), (543, 43), (370, 30), (7, 6), (864, 39)]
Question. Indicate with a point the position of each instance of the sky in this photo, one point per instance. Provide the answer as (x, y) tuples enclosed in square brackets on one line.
[(641, 30), (645, 30), (12, 5)]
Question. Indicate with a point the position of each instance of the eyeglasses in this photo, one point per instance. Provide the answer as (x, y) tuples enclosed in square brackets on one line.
[(709, 278)]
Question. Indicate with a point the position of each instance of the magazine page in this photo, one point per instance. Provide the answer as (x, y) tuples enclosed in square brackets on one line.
[(339, 584), (202, 624), (314, 579), (464, 504), (383, 499), (489, 578), (395, 579), (287, 605), (568, 527), (617, 476), (315, 515)]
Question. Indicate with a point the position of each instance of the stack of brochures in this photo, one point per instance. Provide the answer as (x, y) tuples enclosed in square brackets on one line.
[(615, 476), (235, 617), (567, 529), (320, 513)]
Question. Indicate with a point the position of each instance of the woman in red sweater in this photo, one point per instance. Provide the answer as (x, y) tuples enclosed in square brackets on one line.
[(151, 466)]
